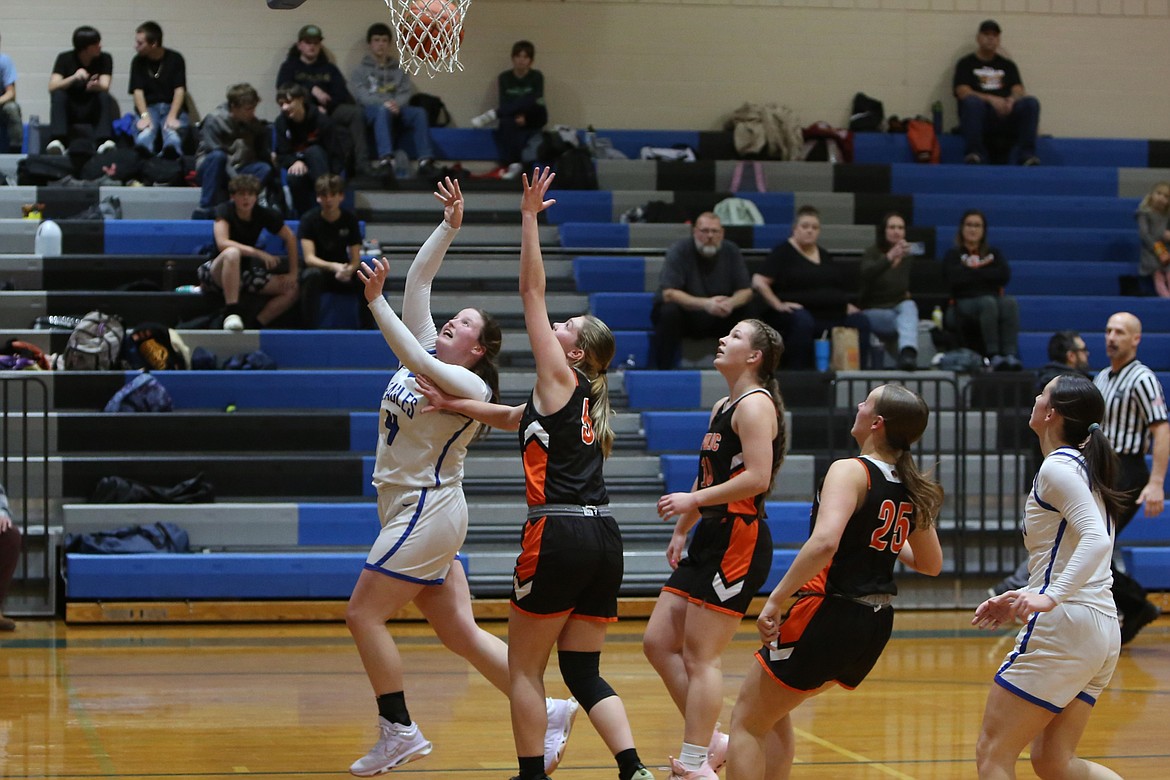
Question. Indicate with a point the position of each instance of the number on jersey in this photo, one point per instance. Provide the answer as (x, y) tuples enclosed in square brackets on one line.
[(895, 527)]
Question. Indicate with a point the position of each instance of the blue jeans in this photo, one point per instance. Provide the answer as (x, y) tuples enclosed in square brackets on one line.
[(900, 321), (977, 119), (213, 178), (158, 121), (410, 122), (303, 187)]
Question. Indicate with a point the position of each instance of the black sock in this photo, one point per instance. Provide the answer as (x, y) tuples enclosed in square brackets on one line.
[(531, 768), (392, 707), (628, 763)]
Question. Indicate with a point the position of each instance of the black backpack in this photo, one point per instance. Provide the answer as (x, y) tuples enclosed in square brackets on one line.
[(867, 113), (38, 169), (575, 170), (437, 113)]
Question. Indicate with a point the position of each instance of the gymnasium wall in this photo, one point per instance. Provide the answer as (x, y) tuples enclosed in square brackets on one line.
[(1098, 66)]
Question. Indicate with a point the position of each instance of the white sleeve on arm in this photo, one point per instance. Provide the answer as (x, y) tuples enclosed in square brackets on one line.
[(456, 380), (1064, 484), (416, 298)]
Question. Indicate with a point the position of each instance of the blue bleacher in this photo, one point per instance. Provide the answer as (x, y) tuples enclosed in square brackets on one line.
[(1052, 277), (979, 180), (599, 273), (623, 311), (672, 431), (1148, 565), (1053, 211), (169, 236), (269, 575), (1090, 313), (1082, 152), (1154, 351), (663, 389)]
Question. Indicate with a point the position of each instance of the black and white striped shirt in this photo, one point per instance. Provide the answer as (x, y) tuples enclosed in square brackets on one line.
[(1133, 402)]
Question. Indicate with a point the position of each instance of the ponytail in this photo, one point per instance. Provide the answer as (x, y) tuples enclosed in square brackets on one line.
[(1080, 403), (906, 416), (771, 346), (596, 340)]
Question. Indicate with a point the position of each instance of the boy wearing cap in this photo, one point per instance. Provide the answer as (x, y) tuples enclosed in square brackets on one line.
[(308, 66), (992, 100)]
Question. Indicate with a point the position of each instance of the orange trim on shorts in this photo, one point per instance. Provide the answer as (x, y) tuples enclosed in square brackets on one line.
[(530, 550), (700, 603), (768, 671), (741, 548), (593, 618)]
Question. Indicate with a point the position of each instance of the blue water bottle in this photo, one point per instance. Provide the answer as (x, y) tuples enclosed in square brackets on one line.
[(822, 352)]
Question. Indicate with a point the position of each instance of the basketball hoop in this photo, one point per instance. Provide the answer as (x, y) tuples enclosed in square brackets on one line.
[(428, 34)]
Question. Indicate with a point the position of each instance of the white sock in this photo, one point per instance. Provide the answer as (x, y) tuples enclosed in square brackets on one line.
[(692, 756)]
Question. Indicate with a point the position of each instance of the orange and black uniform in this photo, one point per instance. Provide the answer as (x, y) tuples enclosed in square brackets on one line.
[(571, 556), (842, 618), (730, 554)]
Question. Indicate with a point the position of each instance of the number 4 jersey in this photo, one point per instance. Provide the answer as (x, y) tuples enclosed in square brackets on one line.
[(415, 449), (864, 562)]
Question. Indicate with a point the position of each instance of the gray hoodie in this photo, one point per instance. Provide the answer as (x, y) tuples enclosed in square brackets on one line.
[(245, 142), (373, 84)]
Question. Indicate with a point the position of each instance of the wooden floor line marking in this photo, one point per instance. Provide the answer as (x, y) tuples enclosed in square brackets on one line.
[(851, 755)]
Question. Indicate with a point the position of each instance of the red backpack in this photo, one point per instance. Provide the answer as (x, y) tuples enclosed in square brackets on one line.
[(923, 142)]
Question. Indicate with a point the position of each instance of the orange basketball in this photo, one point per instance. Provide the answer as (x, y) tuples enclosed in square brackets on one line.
[(430, 33)]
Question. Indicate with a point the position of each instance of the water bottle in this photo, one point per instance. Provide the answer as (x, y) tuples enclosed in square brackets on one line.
[(629, 363), (937, 317), (189, 289), (169, 271), (590, 138), (936, 117), (34, 135), (822, 352), (48, 239)]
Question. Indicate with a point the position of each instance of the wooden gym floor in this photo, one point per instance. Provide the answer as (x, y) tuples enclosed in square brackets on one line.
[(291, 701)]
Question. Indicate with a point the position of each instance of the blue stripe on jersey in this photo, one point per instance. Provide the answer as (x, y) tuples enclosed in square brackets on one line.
[(1041, 501), (1087, 699), (1027, 696), (422, 500), (446, 447), (1052, 555)]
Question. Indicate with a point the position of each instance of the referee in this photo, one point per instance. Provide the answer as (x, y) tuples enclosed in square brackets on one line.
[(1135, 416)]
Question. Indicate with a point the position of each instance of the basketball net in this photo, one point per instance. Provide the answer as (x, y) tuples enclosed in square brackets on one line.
[(427, 34)]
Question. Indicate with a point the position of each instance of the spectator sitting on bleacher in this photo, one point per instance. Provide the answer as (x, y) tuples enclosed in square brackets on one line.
[(1153, 218), (309, 65), (9, 108), (232, 141), (304, 145), (816, 297), (384, 91), (240, 265), (521, 111), (9, 555), (884, 296), (79, 94), (158, 82), (977, 274), (703, 291), (992, 101), (331, 241)]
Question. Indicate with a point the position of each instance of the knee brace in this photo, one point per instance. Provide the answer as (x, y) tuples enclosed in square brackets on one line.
[(580, 671)]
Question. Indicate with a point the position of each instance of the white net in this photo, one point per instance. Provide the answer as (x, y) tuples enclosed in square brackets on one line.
[(428, 34)]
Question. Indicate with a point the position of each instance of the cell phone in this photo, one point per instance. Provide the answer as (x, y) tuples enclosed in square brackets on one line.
[(916, 248)]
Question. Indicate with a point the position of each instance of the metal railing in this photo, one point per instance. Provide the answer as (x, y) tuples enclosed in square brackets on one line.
[(983, 453), (24, 472)]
